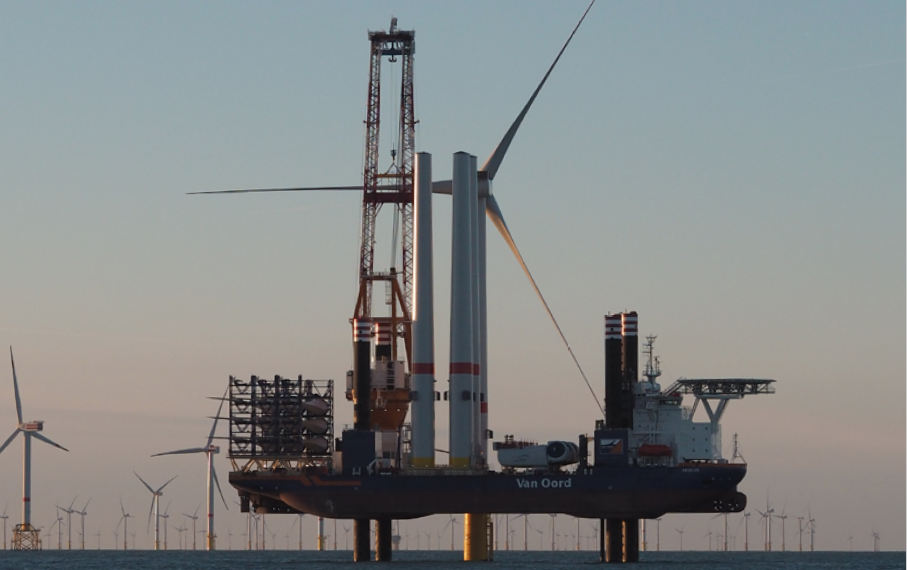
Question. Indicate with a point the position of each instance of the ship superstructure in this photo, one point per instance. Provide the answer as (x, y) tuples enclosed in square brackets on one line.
[(665, 431)]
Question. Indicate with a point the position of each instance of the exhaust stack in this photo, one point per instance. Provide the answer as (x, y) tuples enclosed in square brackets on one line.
[(613, 349), (362, 374)]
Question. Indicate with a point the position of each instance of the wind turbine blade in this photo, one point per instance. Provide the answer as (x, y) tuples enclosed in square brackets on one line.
[(9, 440), (494, 161), (216, 482), (214, 425), (165, 484), (303, 189), (179, 451), (86, 505), (16, 386), (121, 507), (147, 486), (45, 439), (497, 218), (150, 512)]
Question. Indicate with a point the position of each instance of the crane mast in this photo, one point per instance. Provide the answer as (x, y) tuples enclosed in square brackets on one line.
[(394, 187)]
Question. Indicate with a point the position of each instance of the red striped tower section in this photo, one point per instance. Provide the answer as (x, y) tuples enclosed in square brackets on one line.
[(630, 324), (423, 394), (461, 344), (384, 337)]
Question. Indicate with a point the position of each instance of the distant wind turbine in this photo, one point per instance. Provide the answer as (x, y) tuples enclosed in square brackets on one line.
[(194, 517), (767, 525), (69, 511), (125, 521), (209, 450), (4, 516), (59, 524), (82, 514), (155, 508), (25, 536), (166, 518), (783, 518)]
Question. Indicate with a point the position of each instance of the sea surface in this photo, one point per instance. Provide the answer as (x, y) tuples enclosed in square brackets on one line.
[(412, 559)]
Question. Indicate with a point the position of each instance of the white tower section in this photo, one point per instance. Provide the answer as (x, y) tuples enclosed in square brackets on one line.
[(462, 361), (423, 405)]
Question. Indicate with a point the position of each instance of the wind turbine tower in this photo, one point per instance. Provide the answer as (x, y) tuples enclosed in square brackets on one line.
[(209, 450), (4, 516), (25, 536), (155, 509), (125, 521), (82, 514), (69, 512)]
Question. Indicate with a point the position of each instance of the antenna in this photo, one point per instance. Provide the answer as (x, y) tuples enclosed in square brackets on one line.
[(653, 364)]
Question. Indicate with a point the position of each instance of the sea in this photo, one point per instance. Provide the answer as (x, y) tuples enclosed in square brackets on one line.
[(413, 559)]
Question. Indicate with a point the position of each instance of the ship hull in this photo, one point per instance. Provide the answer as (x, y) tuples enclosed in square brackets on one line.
[(594, 493)]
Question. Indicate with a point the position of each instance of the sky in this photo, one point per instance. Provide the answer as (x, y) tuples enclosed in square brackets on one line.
[(735, 172)]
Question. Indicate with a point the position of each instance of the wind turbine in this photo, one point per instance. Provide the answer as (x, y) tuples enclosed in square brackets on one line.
[(194, 517), (209, 450), (525, 530), (680, 531), (725, 529), (59, 524), (452, 524), (125, 521), (553, 545), (25, 536), (812, 532), (746, 531), (876, 541), (155, 508), (82, 514), (69, 511), (783, 518), (4, 516), (767, 525), (299, 520), (166, 518)]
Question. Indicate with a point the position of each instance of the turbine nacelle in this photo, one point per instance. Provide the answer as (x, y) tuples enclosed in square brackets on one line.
[(212, 449), (36, 425)]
